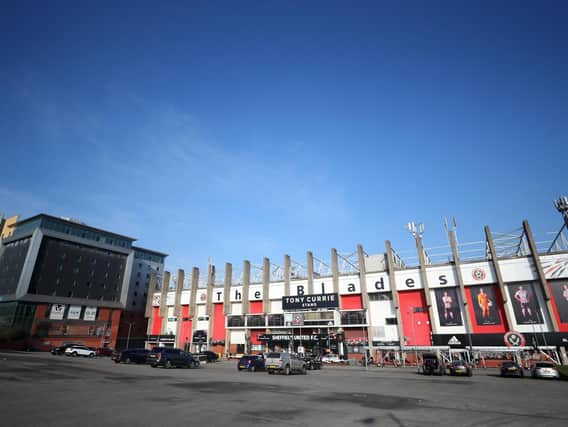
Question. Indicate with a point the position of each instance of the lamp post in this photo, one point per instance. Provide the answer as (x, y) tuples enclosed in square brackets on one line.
[(130, 324)]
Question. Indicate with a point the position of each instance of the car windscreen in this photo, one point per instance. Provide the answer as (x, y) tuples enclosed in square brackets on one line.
[(544, 365), (273, 355)]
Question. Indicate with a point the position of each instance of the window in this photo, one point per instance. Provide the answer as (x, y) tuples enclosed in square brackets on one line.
[(137, 283), (257, 320), (235, 321), (380, 296), (133, 303), (275, 320), (353, 318), (135, 294), (391, 321)]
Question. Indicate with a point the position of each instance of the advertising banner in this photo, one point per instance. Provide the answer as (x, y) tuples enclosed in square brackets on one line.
[(525, 304), (485, 305), (74, 312), (299, 302), (90, 313), (449, 312), (57, 311), (560, 292)]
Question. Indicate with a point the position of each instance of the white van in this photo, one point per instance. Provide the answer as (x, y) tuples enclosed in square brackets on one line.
[(284, 363)]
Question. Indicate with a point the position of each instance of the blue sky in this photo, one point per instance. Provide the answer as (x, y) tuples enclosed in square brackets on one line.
[(238, 130)]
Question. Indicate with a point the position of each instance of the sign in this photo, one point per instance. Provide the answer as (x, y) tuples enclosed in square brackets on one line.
[(289, 337), (299, 302), (74, 312), (57, 311), (514, 339), (454, 341), (90, 313), (161, 338), (298, 319)]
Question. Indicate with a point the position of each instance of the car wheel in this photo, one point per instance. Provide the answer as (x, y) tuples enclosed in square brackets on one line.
[(127, 360), (253, 369), (153, 365), (270, 372), (92, 355), (117, 361), (74, 354), (469, 374), (287, 370), (304, 370), (521, 375), (168, 364)]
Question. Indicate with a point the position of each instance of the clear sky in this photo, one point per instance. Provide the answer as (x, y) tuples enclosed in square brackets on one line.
[(237, 130)]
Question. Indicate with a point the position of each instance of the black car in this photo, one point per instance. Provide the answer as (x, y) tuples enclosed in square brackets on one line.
[(131, 355), (209, 356), (252, 362), (313, 361), (460, 367), (172, 357), (60, 350), (510, 368), (432, 364)]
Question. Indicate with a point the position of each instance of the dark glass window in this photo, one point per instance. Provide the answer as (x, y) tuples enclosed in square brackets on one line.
[(353, 318), (255, 320), (236, 321)]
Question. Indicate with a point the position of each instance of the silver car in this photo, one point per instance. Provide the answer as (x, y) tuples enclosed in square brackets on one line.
[(545, 370), (284, 363)]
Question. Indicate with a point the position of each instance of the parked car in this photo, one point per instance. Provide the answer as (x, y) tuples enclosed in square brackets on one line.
[(104, 351), (545, 370), (313, 361), (172, 357), (208, 356), (511, 369), (285, 363), (330, 358), (131, 355), (252, 362), (432, 364), (460, 367), (80, 350), (60, 350)]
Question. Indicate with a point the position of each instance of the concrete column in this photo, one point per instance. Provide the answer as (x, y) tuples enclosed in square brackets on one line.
[(287, 270), (459, 277), (310, 261), (29, 263), (541, 276), (192, 303), (227, 288), (424, 278), (209, 306), (265, 285), (164, 302), (335, 270), (227, 308), (150, 301), (246, 285), (364, 293), (394, 291), (498, 274), (177, 307)]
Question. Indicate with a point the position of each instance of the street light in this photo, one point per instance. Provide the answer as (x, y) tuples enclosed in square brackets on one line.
[(129, 328)]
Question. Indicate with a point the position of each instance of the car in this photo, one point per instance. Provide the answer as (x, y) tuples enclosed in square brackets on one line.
[(172, 357), (104, 351), (251, 362), (313, 361), (460, 367), (131, 355), (511, 369), (330, 358), (80, 350), (285, 363), (545, 370), (432, 364), (60, 350), (208, 356)]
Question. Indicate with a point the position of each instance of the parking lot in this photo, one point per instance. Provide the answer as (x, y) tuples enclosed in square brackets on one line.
[(41, 389)]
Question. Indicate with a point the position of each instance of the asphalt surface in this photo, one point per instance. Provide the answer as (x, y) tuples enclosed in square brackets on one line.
[(38, 389)]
